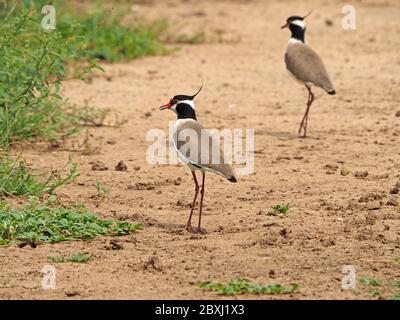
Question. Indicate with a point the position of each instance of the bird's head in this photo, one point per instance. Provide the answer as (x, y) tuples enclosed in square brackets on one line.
[(294, 22), (181, 103)]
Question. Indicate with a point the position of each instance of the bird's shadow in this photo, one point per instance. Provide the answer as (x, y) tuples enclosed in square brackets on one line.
[(283, 135), (168, 227)]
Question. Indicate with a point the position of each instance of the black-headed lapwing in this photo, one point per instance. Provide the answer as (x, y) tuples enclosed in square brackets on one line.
[(305, 64), (194, 147)]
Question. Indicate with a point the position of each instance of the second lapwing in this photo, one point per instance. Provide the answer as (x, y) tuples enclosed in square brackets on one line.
[(305, 65)]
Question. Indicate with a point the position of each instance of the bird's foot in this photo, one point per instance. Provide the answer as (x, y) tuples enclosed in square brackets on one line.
[(191, 229)]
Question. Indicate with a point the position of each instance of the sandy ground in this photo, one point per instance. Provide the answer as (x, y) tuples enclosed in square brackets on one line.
[(335, 218)]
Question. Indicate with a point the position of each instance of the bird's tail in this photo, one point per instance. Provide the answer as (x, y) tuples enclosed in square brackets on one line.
[(232, 179)]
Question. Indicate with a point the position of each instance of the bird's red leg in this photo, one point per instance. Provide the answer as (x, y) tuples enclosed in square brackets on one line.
[(201, 202), (303, 123), (311, 99), (196, 192)]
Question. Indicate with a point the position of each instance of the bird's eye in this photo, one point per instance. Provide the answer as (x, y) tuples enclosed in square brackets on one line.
[(172, 101)]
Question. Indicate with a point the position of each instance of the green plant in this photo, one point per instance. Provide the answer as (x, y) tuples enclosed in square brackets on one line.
[(46, 222), (16, 179), (396, 296), (33, 66), (79, 257), (106, 37), (375, 293), (242, 286), (370, 281), (281, 208), (102, 190)]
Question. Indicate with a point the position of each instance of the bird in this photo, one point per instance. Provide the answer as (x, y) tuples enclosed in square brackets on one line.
[(305, 65), (194, 151)]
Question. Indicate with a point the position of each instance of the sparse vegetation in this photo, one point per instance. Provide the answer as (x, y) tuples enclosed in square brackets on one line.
[(375, 288), (370, 281), (79, 257), (46, 222), (101, 189), (281, 208), (16, 179), (242, 286), (35, 62)]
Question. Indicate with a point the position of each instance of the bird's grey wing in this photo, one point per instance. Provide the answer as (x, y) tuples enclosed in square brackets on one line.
[(195, 146), (305, 64)]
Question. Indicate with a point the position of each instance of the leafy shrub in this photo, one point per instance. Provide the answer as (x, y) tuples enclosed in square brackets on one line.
[(33, 66)]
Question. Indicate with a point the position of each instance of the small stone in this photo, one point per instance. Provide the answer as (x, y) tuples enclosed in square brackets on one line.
[(121, 166), (111, 141), (395, 190), (114, 245), (328, 242), (329, 22), (147, 114), (71, 293), (153, 263), (344, 171), (99, 166), (370, 197), (178, 181), (331, 168), (398, 113), (361, 174), (271, 273), (392, 202)]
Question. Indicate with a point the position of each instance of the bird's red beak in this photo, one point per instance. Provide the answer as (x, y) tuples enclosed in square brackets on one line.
[(166, 106), (285, 26)]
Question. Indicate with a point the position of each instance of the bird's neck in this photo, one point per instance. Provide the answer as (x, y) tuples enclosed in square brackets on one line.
[(298, 32), (185, 111)]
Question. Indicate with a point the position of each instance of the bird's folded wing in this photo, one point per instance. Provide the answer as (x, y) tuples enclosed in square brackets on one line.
[(197, 146), (305, 64)]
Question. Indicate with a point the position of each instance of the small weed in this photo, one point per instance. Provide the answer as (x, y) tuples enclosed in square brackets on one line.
[(242, 286), (370, 282), (87, 147), (281, 208), (79, 257), (396, 296), (102, 190), (375, 293)]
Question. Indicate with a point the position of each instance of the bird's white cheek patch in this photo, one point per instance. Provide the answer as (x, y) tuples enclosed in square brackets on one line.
[(299, 23)]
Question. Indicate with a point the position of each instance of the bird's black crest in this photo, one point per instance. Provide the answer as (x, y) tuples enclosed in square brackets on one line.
[(293, 18), (182, 97)]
